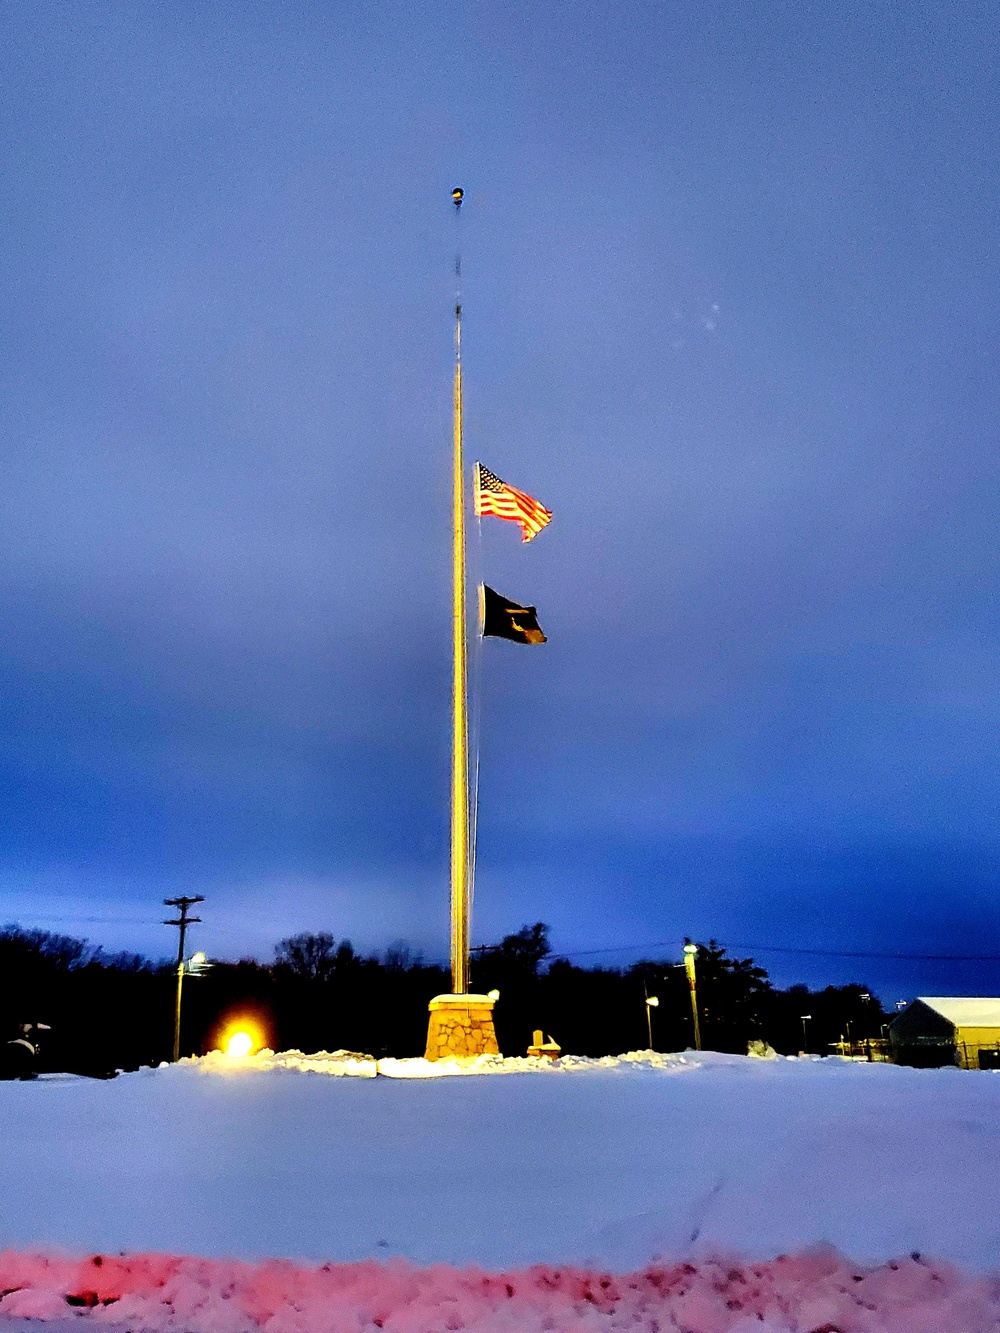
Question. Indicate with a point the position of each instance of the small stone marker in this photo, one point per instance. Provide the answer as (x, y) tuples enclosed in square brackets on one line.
[(547, 1050)]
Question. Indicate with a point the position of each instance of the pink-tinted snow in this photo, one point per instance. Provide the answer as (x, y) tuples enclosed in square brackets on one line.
[(814, 1292)]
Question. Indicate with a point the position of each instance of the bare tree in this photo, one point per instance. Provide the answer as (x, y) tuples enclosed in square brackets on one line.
[(314, 957)]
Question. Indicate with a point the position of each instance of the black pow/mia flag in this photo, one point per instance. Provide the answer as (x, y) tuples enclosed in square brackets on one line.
[(503, 619)]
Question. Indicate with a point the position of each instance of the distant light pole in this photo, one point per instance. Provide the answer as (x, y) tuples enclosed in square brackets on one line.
[(183, 921), (651, 1003), (690, 950), (805, 1041)]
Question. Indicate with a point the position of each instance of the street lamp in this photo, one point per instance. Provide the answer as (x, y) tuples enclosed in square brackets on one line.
[(652, 1002), (805, 1044), (690, 950)]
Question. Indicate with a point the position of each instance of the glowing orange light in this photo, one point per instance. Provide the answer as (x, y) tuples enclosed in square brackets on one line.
[(241, 1035)]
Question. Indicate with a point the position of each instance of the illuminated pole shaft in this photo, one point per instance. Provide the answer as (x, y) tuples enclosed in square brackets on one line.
[(689, 968), (460, 728)]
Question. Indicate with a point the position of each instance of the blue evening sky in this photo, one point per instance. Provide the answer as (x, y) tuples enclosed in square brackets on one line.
[(731, 295)]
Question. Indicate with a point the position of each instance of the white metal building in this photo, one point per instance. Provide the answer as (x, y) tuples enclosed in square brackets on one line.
[(948, 1029)]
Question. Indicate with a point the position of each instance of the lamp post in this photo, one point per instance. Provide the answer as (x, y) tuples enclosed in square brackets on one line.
[(805, 1045), (652, 1002), (690, 951)]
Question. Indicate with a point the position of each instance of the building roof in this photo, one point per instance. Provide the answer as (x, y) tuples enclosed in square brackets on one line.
[(965, 1011)]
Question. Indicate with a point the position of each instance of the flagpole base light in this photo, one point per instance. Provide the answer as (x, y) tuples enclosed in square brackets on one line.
[(460, 1027)]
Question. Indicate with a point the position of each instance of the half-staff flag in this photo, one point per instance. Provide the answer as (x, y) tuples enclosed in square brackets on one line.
[(494, 496), (504, 619)]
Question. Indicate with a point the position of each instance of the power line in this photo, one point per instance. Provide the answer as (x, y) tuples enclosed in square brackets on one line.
[(905, 957), (777, 948), (91, 920)]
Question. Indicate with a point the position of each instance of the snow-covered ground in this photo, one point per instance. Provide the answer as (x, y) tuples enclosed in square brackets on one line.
[(601, 1164), (613, 1162)]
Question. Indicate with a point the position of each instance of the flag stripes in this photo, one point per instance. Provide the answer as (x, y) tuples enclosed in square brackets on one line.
[(493, 496)]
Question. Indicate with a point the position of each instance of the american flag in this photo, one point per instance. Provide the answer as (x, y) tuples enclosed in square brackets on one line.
[(494, 496)]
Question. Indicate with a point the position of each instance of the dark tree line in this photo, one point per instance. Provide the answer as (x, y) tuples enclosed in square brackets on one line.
[(104, 1011), (115, 1011), (601, 1011)]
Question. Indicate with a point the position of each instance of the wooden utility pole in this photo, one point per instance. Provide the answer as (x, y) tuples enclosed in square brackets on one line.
[(183, 921)]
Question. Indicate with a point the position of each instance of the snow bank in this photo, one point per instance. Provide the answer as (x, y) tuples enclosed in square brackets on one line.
[(339, 1064), (566, 1064), (815, 1292), (352, 1064)]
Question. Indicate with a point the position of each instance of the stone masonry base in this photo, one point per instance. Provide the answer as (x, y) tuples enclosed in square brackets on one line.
[(460, 1026)]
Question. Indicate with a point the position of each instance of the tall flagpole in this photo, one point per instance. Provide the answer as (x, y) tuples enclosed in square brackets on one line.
[(460, 726), (460, 1025)]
